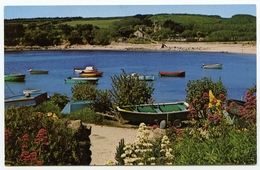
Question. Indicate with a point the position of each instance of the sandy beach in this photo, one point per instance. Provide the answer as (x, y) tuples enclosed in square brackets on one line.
[(221, 47), (104, 141)]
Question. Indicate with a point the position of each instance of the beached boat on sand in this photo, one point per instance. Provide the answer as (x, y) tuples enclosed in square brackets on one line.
[(15, 77), (172, 74), (81, 80), (148, 113), (211, 66)]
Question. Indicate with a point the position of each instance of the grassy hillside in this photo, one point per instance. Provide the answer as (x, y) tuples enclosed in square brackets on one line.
[(101, 23)]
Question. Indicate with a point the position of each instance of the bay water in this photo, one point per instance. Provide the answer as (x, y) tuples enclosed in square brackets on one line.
[(238, 73)]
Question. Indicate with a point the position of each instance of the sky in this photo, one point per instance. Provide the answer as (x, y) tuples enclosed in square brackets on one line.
[(85, 10)]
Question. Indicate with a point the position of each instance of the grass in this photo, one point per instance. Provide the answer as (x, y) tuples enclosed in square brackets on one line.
[(101, 23)]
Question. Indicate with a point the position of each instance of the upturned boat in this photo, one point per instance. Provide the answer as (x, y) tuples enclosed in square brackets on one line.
[(71, 80), (15, 77), (172, 74), (38, 71), (175, 112), (211, 66)]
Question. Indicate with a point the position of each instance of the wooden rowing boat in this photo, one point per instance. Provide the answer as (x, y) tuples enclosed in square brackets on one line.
[(172, 74)]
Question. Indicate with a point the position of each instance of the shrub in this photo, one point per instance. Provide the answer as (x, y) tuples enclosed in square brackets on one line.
[(59, 100), (100, 99), (129, 90), (36, 138)]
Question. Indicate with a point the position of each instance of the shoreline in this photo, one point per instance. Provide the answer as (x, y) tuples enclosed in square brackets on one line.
[(219, 47)]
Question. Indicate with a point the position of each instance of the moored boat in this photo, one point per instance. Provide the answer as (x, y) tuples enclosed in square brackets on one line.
[(75, 106), (87, 69), (92, 74), (38, 71), (27, 91), (172, 74), (143, 77), (81, 80), (212, 66), (149, 113), (14, 77)]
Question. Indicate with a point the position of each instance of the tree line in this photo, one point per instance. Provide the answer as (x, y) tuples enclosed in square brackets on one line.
[(160, 27)]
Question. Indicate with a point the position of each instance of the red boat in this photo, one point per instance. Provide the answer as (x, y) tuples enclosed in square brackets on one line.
[(172, 74), (92, 74)]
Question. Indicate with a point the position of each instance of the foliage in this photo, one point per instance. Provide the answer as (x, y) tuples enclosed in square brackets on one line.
[(144, 151), (60, 100), (36, 138), (101, 31), (48, 106), (100, 99), (129, 90), (86, 115)]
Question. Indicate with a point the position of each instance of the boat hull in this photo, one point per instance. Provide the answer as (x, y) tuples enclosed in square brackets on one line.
[(172, 74), (152, 114), (212, 66), (39, 72), (91, 74), (32, 99), (15, 77), (74, 80)]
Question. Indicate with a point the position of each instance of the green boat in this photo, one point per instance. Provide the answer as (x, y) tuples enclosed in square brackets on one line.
[(38, 71), (175, 112), (15, 77), (212, 66)]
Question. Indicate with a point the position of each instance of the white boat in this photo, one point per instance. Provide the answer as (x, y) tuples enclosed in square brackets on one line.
[(87, 69), (143, 77), (212, 66), (81, 79), (27, 91)]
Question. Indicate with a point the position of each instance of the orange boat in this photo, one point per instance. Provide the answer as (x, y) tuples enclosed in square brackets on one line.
[(92, 74), (172, 74)]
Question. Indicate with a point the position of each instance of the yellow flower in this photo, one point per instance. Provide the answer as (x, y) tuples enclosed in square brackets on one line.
[(49, 114), (213, 101)]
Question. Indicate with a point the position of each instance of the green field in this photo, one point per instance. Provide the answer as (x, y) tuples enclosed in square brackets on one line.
[(101, 23)]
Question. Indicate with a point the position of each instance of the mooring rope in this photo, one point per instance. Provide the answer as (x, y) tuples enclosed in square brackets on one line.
[(9, 88)]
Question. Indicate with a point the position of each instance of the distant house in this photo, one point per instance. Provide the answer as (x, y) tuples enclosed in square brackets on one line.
[(139, 33)]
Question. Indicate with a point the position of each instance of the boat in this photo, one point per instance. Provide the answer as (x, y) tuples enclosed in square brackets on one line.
[(172, 74), (30, 91), (144, 77), (75, 106), (92, 74), (38, 71), (71, 80), (211, 66), (87, 69), (148, 113), (14, 77), (29, 99)]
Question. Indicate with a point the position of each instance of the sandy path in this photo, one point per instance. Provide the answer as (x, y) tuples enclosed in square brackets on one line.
[(104, 141)]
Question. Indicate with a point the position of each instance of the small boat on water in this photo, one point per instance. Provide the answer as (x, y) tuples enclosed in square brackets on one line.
[(27, 91), (211, 66), (148, 113), (92, 74), (172, 74), (87, 69), (143, 77), (38, 71), (30, 99), (71, 80), (15, 77)]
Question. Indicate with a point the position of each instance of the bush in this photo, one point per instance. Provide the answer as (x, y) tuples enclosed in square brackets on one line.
[(129, 90), (100, 99), (36, 138), (59, 100)]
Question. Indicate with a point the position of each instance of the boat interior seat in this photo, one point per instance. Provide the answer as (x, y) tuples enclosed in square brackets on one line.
[(182, 107), (169, 108), (146, 109)]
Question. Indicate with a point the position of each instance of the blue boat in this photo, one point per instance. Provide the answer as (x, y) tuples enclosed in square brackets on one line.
[(28, 99), (75, 106)]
